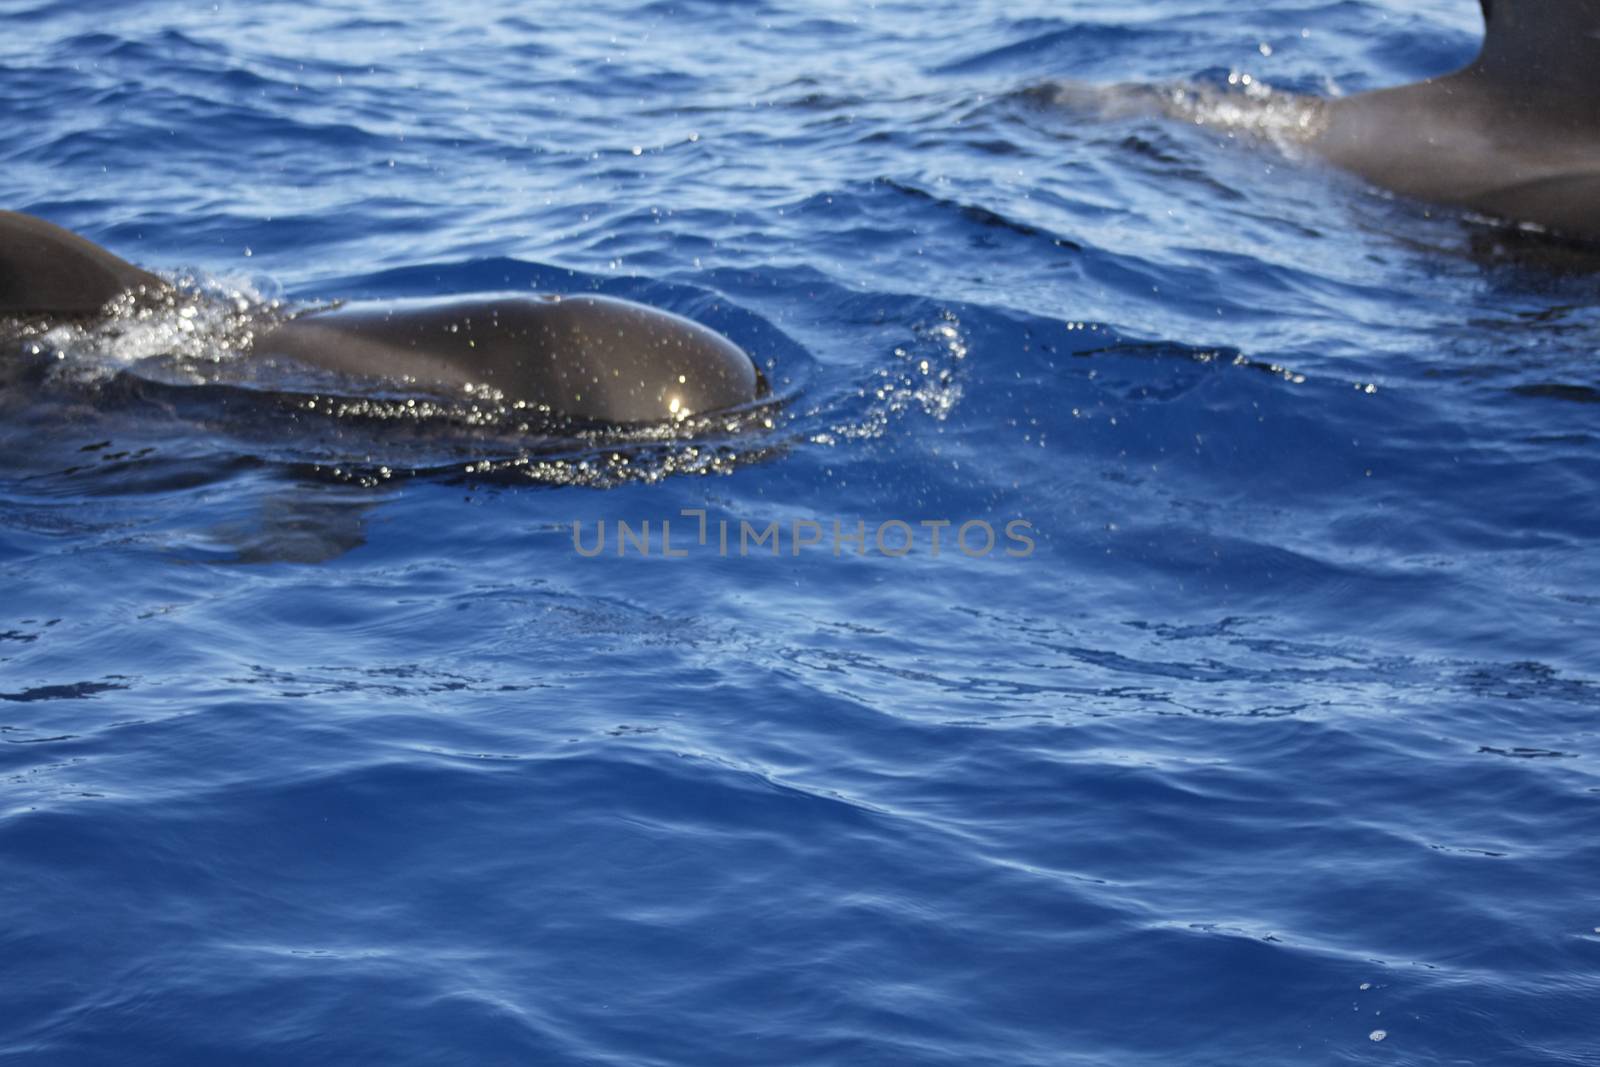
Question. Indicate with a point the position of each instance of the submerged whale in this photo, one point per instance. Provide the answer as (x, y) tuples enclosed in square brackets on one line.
[(1515, 133), (586, 357)]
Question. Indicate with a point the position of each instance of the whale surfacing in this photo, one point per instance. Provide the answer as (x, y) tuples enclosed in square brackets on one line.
[(1514, 134), (595, 357), (587, 357)]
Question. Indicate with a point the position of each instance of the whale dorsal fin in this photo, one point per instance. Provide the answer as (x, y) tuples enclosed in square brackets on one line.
[(1546, 47), (45, 269)]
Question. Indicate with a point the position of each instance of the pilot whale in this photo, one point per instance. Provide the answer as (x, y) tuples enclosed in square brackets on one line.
[(1514, 134), (587, 357)]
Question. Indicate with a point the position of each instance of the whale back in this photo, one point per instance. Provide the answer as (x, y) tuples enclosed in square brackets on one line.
[(588, 356), (45, 269)]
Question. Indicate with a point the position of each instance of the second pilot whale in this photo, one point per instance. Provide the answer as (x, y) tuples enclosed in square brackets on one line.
[(1514, 134), (587, 357)]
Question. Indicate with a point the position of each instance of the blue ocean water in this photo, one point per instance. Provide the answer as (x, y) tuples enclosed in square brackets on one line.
[(1271, 740)]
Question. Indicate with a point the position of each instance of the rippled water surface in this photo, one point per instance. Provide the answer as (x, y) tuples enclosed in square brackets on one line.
[(323, 742)]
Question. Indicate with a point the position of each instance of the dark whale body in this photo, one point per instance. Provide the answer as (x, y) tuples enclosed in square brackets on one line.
[(46, 270), (1514, 134), (586, 357)]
